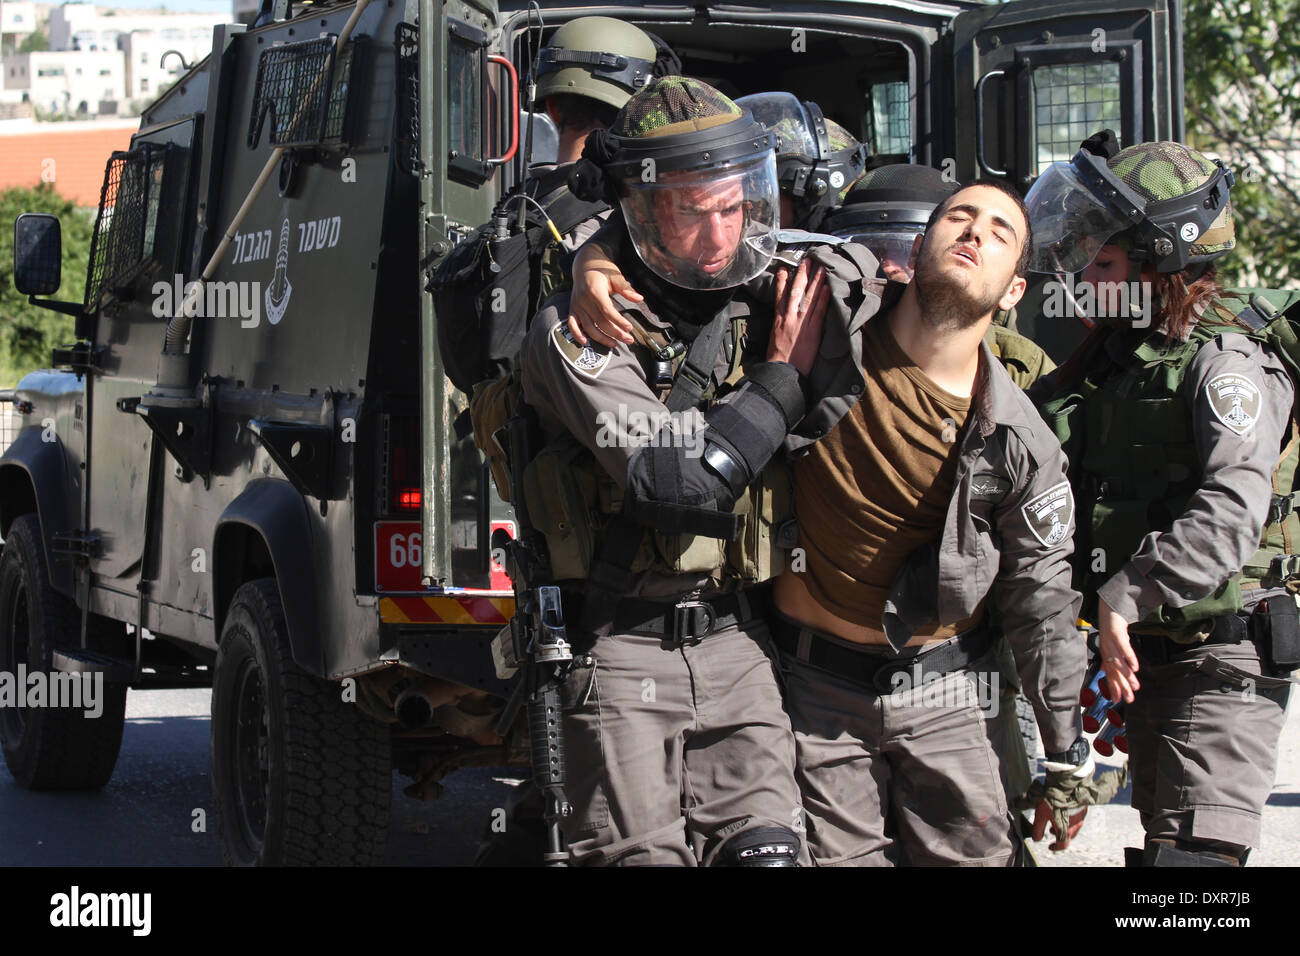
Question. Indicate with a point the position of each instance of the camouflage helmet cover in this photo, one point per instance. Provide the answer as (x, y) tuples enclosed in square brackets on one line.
[(1168, 171), (1164, 202)]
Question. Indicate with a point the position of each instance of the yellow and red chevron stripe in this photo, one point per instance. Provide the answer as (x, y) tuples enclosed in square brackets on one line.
[(460, 609)]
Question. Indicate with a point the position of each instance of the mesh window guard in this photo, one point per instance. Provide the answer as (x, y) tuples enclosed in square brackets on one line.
[(1071, 102), (302, 88), (128, 217), (408, 99)]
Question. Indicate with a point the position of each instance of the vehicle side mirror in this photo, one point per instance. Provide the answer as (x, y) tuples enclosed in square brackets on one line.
[(38, 254)]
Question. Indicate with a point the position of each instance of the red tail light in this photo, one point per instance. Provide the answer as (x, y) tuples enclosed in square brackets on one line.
[(401, 492)]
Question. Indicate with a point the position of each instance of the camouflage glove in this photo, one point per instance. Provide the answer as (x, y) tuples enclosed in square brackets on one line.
[(1067, 788)]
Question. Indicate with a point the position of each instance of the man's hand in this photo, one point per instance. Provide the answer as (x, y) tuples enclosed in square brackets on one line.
[(800, 308), (1043, 814), (591, 310), (1117, 657)]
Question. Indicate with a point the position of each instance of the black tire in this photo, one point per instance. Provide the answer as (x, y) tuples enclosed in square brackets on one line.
[(49, 748), (299, 777)]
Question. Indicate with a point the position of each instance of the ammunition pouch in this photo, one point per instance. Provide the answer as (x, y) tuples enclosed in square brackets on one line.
[(1275, 628), (572, 502)]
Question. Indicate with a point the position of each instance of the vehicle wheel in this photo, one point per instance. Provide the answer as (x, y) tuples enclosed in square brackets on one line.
[(299, 776), (49, 748)]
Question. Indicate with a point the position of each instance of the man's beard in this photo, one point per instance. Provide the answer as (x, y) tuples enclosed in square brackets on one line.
[(947, 303)]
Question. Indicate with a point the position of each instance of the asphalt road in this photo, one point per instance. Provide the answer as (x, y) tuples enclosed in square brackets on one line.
[(146, 814)]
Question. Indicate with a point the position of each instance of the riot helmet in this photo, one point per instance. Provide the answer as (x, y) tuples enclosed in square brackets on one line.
[(598, 57), (817, 160), (887, 210), (695, 178), (1167, 203)]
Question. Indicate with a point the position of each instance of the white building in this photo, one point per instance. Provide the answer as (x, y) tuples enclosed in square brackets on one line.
[(142, 52), (17, 19), (81, 26), (68, 81)]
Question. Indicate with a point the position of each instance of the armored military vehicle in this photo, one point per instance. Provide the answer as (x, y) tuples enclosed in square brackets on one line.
[(256, 481)]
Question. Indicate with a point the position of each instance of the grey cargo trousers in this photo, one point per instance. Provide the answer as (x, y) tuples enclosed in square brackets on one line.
[(905, 777), (1203, 732), (673, 749)]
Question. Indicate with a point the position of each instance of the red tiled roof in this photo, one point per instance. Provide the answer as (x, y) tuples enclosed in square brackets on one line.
[(79, 156)]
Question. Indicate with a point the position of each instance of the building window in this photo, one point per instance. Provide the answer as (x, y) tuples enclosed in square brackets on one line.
[(51, 71), (144, 86), (144, 57), (78, 71), (105, 72)]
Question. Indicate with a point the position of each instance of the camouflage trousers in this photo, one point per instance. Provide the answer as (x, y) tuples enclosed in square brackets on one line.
[(673, 749)]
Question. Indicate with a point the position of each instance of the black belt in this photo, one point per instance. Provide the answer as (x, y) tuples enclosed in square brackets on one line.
[(686, 622), (1158, 649), (877, 670)]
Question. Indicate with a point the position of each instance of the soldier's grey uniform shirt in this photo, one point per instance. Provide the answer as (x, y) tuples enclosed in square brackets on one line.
[(1220, 529), (593, 393), (672, 750), (1008, 532)]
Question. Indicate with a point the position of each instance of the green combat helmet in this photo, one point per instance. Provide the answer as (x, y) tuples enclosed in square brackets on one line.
[(695, 176), (1165, 202), (597, 57), (817, 160)]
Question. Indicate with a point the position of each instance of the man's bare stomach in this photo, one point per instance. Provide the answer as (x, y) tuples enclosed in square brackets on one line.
[(792, 598)]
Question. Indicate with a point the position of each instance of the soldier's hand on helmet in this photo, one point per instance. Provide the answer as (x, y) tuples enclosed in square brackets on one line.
[(801, 301), (1118, 659), (591, 310)]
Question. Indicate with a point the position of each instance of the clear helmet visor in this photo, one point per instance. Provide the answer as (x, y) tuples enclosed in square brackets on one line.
[(703, 229), (892, 247), (784, 115), (1070, 223)]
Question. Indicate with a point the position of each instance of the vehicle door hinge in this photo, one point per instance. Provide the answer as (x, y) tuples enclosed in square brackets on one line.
[(81, 357)]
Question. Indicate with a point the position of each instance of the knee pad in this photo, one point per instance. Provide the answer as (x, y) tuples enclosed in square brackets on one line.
[(761, 846), (1184, 853)]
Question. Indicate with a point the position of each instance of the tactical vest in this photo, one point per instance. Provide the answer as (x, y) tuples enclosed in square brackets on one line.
[(1024, 361), (574, 503), (1127, 430)]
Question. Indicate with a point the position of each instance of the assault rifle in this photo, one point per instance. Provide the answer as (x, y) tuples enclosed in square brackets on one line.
[(538, 643)]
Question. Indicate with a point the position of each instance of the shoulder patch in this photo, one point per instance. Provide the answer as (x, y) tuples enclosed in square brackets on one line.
[(1235, 400), (1050, 514), (590, 359)]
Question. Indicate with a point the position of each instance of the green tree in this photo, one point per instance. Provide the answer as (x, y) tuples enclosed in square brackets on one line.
[(1243, 104), (28, 333), (34, 43)]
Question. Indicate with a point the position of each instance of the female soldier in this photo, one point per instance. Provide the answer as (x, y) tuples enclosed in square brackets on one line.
[(1174, 415)]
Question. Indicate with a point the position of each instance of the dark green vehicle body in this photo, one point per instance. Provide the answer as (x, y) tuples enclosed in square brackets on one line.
[(317, 447)]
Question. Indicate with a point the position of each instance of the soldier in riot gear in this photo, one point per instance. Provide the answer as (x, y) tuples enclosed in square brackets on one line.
[(817, 159), (679, 751), (1177, 434), (493, 282), (866, 607)]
